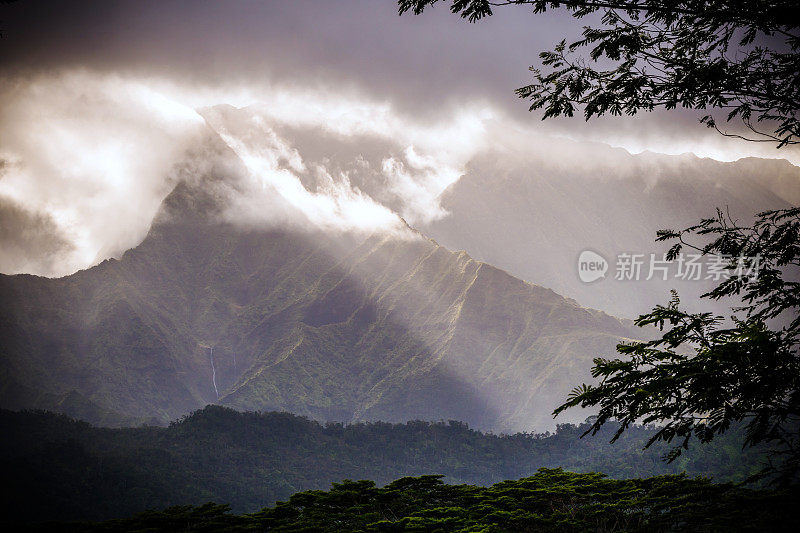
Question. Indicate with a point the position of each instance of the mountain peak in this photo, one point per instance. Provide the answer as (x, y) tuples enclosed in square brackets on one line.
[(334, 326)]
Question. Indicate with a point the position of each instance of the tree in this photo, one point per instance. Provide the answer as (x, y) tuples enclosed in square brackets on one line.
[(702, 375), (738, 57)]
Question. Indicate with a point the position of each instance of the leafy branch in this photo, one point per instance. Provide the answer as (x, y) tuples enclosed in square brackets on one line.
[(734, 56)]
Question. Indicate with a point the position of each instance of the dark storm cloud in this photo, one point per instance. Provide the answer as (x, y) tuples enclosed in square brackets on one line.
[(417, 62), (421, 64)]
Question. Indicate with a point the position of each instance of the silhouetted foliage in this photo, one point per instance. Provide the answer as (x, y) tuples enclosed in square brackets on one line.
[(741, 57), (550, 500), (703, 375)]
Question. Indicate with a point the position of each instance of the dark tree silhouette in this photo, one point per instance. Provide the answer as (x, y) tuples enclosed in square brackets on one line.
[(738, 57), (702, 375)]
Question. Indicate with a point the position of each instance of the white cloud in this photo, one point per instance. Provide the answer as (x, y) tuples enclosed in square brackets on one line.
[(98, 153), (93, 153), (335, 205)]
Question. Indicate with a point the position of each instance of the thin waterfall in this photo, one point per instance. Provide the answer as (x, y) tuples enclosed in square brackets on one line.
[(213, 372)]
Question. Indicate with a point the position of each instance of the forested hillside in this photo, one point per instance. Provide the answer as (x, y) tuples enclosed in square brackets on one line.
[(68, 470)]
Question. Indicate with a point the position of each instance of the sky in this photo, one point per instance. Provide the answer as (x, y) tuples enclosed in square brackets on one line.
[(99, 100)]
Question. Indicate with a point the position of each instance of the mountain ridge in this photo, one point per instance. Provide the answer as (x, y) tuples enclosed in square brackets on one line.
[(555, 209), (336, 328)]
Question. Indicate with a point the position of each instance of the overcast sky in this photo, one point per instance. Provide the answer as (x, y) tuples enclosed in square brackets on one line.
[(77, 77), (422, 64), (417, 62)]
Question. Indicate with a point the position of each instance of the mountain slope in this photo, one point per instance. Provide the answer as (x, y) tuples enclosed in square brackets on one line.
[(335, 326)]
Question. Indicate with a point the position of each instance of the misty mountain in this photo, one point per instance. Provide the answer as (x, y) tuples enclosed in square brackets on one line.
[(561, 198), (277, 276), (334, 325), (530, 204)]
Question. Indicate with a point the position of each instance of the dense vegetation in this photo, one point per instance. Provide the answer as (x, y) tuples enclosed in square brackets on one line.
[(68, 470), (550, 500)]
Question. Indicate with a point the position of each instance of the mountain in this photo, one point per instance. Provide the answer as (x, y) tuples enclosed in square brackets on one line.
[(276, 277), (529, 204), (557, 199), (334, 325)]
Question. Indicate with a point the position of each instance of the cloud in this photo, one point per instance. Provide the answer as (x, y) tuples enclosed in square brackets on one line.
[(29, 241), (93, 155), (411, 167), (428, 67), (419, 63), (419, 183), (423, 158), (273, 177), (97, 153)]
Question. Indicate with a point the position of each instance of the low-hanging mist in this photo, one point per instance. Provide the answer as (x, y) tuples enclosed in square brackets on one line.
[(93, 156), (86, 158)]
